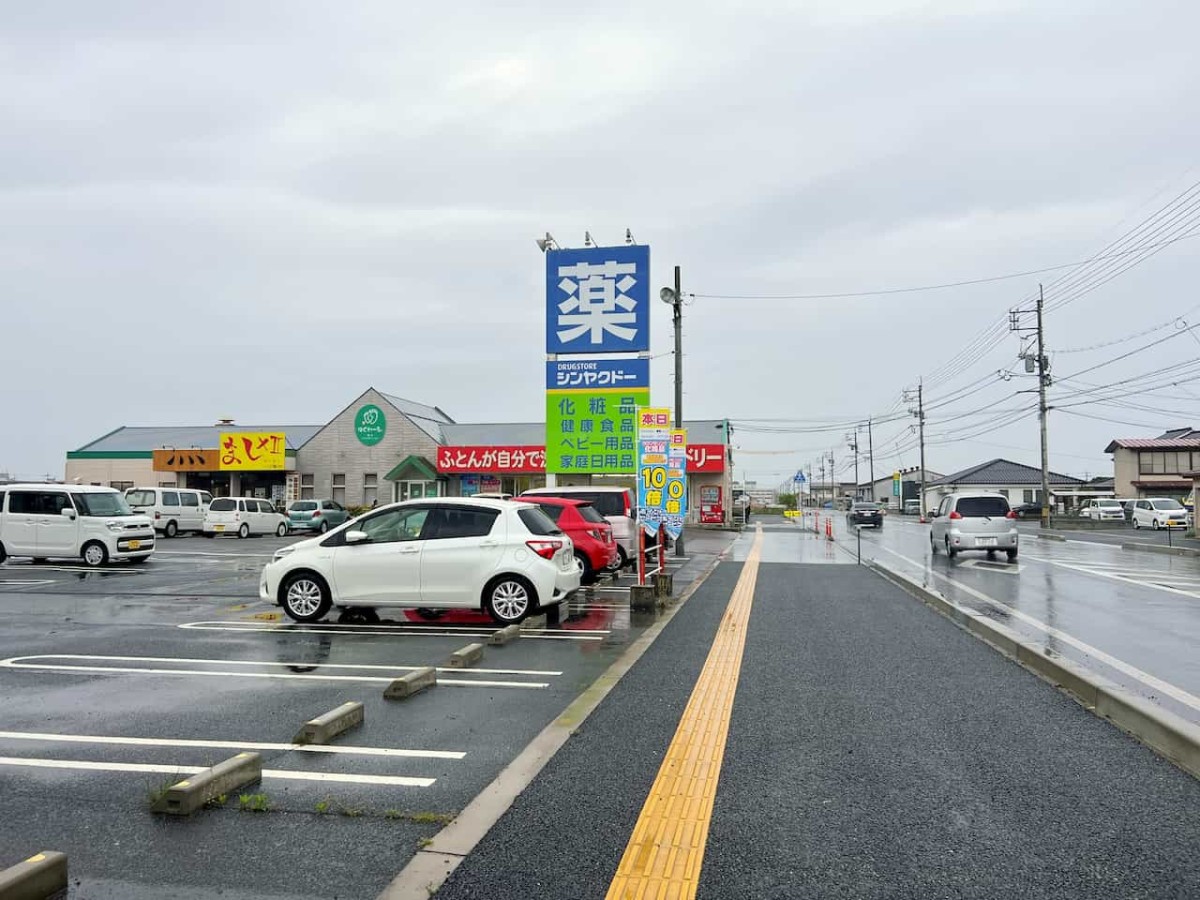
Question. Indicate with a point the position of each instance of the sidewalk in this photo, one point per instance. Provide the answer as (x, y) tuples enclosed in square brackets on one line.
[(874, 750)]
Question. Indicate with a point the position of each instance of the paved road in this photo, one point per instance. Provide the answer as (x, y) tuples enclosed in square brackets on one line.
[(101, 671), (873, 750), (1133, 617)]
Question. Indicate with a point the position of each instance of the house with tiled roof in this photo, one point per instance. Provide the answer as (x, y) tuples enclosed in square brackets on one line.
[(1016, 481), (1155, 467)]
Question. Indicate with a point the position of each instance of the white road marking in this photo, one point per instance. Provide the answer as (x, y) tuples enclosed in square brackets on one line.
[(229, 745), (21, 662), (1146, 678), (1087, 570), (210, 553), (52, 567), (88, 766), (418, 630), (10, 583), (255, 662)]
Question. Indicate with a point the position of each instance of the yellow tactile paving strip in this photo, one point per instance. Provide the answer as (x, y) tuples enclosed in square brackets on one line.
[(663, 857)]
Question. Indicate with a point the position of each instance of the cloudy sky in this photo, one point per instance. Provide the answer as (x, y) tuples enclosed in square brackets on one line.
[(259, 209)]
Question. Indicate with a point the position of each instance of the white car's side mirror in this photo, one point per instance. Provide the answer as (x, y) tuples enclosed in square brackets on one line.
[(357, 537), (69, 513)]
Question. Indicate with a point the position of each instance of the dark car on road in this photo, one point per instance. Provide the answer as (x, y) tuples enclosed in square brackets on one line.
[(1028, 511), (865, 514)]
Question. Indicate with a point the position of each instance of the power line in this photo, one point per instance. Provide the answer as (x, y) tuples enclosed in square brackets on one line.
[(926, 287)]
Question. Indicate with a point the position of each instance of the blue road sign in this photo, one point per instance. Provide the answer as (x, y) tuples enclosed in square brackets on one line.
[(799, 478), (598, 300), (596, 373)]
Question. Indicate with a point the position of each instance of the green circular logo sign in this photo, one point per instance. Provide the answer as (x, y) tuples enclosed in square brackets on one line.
[(370, 425)]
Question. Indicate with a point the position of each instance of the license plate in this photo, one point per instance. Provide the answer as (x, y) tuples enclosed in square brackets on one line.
[(218, 528), (133, 545), (987, 542)]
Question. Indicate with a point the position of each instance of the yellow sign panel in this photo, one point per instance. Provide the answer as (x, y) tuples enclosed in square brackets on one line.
[(253, 451), (792, 513)]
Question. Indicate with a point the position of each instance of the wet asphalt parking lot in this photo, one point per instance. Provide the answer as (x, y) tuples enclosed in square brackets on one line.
[(114, 682)]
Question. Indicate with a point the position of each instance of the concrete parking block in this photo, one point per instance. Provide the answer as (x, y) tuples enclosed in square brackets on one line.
[(664, 584), (412, 683), (189, 795), (505, 635), (643, 598), (466, 656), (41, 877), (323, 729)]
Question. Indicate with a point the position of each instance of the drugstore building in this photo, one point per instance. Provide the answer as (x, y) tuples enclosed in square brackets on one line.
[(380, 448)]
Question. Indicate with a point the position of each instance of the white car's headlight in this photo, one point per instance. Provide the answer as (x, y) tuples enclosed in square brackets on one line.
[(114, 526), (281, 553)]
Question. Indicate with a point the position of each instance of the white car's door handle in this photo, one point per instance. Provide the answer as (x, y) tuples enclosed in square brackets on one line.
[(410, 549), (489, 543)]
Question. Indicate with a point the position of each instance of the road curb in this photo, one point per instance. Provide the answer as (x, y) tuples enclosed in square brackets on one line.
[(41, 877), (430, 867), (1167, 734), (1051, 537), (1139, 547)]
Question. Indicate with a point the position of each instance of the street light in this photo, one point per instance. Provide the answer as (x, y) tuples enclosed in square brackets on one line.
[(547, 243)]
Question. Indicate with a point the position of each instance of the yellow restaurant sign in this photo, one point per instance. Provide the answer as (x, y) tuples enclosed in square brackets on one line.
[(252, 450)]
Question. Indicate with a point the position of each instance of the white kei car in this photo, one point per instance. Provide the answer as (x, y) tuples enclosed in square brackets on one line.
[(507, 558)]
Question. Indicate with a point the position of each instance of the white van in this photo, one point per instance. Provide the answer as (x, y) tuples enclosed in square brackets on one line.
[(172, 510), (616, 504), (243, 516), (94, 524)]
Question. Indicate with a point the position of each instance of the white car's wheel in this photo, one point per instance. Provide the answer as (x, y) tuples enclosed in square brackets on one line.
[(510, 599), (95, 554), (1136, 524), (1154, 526), (281, 531), (244, 531), (171, 530), (305, 597)]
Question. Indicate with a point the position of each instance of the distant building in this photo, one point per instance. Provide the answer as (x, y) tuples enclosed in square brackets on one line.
[(1148, 467), (1018, 482), (910, 483)]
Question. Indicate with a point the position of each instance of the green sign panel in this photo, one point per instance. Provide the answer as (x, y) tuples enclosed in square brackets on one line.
[(370, 425), (593, 431)]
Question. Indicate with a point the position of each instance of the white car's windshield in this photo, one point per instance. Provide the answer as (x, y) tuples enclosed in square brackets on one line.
[(1166, 504), (1109, 504), (102, 504)]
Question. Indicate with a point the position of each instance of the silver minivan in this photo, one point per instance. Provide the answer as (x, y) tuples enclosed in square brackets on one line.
[(978, 520)]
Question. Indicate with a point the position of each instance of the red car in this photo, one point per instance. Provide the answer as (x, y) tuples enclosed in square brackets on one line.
[(595, 547)]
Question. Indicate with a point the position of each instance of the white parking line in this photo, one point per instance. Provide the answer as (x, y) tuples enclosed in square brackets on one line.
[(418, 630), (23, 662), (9, 583), (51, 567), (228, 745), (211, 554), (1146, 678), (291, 775), (255, 662)]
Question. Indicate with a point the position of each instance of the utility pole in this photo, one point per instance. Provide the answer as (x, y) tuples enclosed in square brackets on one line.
[(1040, 364), (675, 299), (1043, 380), (852, 440), (871, 455), (919, 412)]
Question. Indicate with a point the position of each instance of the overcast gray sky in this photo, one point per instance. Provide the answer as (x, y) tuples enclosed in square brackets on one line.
[(259, 209)]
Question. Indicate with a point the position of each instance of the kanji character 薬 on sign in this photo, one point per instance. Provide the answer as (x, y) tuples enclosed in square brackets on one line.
[(597, 301)]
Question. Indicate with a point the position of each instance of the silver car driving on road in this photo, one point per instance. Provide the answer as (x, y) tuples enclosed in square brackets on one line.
[(974, 521)]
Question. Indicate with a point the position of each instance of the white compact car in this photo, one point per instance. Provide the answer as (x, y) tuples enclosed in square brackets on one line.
[(974, 521), (94, 524), (1159, 512), (506, 558), (1103, 510), (171, 509), (243, 516)]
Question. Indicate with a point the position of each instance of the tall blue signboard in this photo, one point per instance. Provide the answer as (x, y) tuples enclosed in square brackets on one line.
[(598, 300)]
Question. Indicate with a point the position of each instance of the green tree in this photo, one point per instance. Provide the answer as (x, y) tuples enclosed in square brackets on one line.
[(787, 501)]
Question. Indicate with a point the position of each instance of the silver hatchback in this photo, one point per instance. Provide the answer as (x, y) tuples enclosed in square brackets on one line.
[(974, 521)]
